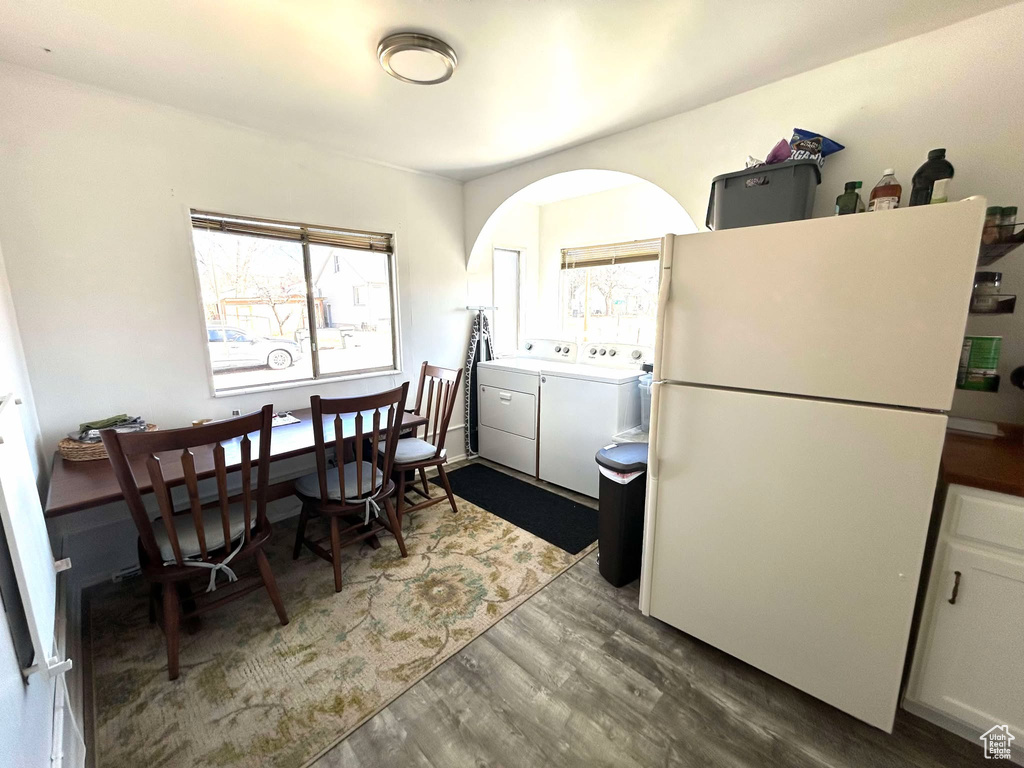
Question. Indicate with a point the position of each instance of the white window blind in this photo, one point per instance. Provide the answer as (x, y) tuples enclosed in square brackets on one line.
[(282, 230), (614, 253)]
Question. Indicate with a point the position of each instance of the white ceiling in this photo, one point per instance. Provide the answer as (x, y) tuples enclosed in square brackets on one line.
[(533, 77)]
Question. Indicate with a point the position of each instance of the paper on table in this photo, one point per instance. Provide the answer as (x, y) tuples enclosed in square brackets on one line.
[(282, 418)]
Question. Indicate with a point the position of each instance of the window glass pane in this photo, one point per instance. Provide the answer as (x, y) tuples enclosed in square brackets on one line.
[(616, 303), (506, 298), (353, 296), (254, 301)]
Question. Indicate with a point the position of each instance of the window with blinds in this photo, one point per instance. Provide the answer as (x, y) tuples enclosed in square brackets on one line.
[(610, 292), (286, 302), (615, 253)]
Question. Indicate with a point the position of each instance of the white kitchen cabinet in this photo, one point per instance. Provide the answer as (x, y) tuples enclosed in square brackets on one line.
[(968, 665)]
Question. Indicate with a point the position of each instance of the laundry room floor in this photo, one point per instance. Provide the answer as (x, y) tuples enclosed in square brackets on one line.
[(577, 676)]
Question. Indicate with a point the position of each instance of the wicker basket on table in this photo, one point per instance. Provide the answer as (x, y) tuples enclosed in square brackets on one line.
[(75, 450)]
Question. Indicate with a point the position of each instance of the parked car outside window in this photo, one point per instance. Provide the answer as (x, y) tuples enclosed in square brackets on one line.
[(235, 348)]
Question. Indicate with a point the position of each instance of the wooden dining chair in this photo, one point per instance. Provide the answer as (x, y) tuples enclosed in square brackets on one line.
[(354, 490), (435, 399), (211, 537)]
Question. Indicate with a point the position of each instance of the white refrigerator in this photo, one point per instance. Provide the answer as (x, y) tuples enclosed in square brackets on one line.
[(802, 374)]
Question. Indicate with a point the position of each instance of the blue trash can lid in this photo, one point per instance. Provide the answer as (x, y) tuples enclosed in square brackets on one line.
[(623, 457)]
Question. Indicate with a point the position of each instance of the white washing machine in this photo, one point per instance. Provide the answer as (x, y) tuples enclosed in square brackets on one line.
[(581, 406), (548, 410), (508, 402)]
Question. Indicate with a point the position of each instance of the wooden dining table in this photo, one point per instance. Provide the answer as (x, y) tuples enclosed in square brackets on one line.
[(80, 485)]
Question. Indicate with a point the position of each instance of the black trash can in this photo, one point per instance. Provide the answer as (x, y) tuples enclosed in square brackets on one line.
[(620, 525)]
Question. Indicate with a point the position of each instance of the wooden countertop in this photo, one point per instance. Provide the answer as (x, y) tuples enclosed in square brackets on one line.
[(993, 464), (78, 485)]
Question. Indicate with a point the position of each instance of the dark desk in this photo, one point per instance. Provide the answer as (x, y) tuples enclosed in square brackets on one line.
[(78, 485)]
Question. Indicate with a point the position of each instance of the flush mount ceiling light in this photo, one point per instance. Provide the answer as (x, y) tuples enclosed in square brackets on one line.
[(415, 58)]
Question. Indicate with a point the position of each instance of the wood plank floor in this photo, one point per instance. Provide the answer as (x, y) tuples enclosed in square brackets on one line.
[(577, 676)]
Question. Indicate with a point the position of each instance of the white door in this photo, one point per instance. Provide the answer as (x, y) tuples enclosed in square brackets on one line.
[(789, 533), (972, 661), (505, 290), (866, 308)]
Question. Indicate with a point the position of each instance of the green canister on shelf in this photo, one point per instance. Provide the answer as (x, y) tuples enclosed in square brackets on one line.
[(979, 360)]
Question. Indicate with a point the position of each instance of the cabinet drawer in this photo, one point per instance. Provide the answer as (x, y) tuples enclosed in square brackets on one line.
[(509, 411), (993, 518), (508, 449), (518, 382)]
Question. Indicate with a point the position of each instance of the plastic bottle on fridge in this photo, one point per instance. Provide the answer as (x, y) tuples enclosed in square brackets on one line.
[(887, 192), (931, 182)]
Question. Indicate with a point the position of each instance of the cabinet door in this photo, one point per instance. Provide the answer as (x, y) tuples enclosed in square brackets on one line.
[(974, 657)]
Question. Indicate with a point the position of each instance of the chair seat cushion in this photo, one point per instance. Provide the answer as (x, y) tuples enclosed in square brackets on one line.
[(188, 537), (412, 449), (309, 485)]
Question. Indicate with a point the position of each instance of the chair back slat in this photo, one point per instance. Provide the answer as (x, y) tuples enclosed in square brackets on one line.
[(430, 402), (188, 466), (366, 426), (339, 454), (374, 434), (163, 498), (359, 454), (246, 447), (442, 401), (319, 444), (192, 446), (221, 473), (437, 408)]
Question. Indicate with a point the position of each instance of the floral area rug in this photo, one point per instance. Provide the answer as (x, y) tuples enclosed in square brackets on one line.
[(254, 693)]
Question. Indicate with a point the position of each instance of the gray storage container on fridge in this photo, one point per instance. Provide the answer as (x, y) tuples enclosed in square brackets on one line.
[(785, 194)]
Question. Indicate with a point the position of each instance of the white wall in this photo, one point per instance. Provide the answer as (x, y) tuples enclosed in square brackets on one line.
[(94, 220), (26, 706), (947, 88), (635, 212)]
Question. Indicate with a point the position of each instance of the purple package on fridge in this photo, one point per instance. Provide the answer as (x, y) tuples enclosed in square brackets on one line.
[(780, 153)]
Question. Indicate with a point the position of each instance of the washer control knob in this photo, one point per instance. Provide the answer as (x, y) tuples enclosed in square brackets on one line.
[(558, 349), (528, 345), (565, 350), (635, 354), (603, 352), (611, 353), (593, 350)]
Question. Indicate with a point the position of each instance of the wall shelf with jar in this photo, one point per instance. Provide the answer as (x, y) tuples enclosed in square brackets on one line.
[(986, 298), (1000, 235)]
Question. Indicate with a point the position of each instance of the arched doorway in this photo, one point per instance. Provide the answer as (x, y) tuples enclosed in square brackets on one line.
[(517, 257), (518, 265)]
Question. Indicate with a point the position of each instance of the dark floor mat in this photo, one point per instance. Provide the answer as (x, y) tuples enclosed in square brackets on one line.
[(556, 519)]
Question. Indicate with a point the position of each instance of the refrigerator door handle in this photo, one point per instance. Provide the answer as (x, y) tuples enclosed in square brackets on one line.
[(667, 248), (651, 502)]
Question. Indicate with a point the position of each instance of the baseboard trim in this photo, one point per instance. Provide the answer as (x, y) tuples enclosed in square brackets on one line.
[(954, 725)]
